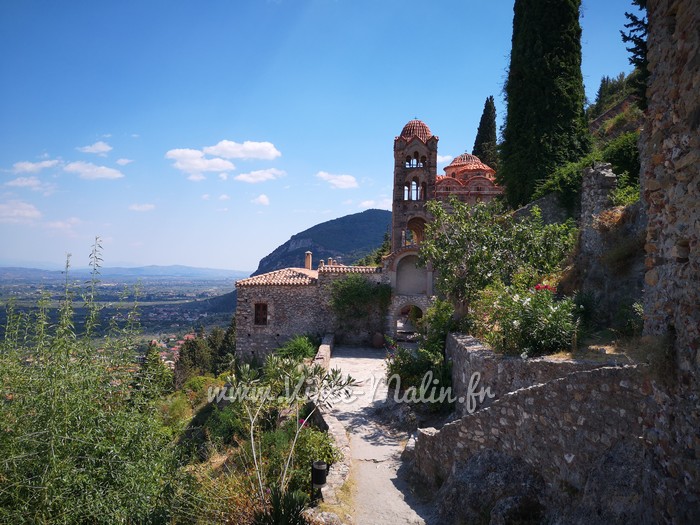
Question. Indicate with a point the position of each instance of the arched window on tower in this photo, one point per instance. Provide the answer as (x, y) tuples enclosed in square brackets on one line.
[(408, 161), (423, 161), (415, 190), (406, 193)]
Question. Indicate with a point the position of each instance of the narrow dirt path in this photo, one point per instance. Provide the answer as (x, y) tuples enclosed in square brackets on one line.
[(381, 496)]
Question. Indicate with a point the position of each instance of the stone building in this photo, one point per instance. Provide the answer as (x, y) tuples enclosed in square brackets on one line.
[(273, 307)]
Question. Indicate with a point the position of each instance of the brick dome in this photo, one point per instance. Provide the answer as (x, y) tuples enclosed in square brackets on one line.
[(416, 128), (470, 162)]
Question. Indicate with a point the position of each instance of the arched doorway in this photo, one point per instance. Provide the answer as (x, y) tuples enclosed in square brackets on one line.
[(407, 322)]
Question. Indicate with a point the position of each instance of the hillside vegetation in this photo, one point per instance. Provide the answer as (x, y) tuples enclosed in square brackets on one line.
[(346, 239)]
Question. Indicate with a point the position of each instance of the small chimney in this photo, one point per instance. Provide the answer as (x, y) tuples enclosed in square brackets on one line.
[(320, 263), (307, 260)]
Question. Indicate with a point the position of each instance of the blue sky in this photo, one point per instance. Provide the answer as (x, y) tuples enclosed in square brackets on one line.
[(206, 133)]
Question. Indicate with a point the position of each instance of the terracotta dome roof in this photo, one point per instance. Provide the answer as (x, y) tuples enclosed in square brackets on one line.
[(416, 128), (472, 162)]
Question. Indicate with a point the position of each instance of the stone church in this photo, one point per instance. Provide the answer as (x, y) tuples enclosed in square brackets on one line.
[(273, 307)]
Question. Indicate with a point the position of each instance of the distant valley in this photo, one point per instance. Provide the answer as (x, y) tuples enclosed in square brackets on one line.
[(175, 299)]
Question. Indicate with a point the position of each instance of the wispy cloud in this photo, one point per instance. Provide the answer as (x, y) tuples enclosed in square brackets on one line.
[(124, 162), (32, 183), (67, 226), (206, 197), (33, 167), (257, 176), (193, 162), (223, 176), (15, 211), (90, 171), (444, 159), (100, 148), (340, 182), (248, 150), (262, 200), (224, 197), (142, 207)]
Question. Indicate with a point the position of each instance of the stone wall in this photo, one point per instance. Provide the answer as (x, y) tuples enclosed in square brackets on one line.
[(562, 431), (670, 179), (501, 374), (292, 310)]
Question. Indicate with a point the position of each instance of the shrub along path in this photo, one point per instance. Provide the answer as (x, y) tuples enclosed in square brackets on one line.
[(381, 494)]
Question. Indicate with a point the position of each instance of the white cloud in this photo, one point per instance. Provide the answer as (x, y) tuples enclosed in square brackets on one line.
[(223, 176), (382, 204), (224, 197), (65, 226), (262, 200), (444, 159), (260, 175), (248, 150), (142, 207), (18, 211), (222, 210), (32, 183), (90, 171), (100, 147), (205, 197), (24, 182), (194, 162), (33, 167), (196, 177), (341, 182), (124, 162)]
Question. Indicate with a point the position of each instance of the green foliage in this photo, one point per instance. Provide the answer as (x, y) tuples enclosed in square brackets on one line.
[(545, 125), (298, 348), (621, 153), (630, 119), (611, 91), (528, 322), (175, 412), (154, 378), (435, 325), (285, 508), (355, 297), (78, 444), (471, 247), (375, 258), (626, 192), (636, 36), (225, 425), (485, 146)]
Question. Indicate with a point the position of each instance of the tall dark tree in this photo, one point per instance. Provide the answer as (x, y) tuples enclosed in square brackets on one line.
[(636, 36), (545, 124), (485, 142)]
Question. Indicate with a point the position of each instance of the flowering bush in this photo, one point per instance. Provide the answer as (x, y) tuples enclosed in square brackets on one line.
[(528, 323)]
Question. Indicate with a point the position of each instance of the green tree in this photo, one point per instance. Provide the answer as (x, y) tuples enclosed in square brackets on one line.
[(485, 146), (226, 355), (196, 359), (471, 247), (636, 36), (545, 125), (154, 378)]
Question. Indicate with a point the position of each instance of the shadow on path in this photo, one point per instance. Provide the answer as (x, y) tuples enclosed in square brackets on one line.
[(382, 494)]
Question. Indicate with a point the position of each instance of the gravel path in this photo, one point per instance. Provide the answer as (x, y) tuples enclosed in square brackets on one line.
[(382, 496)]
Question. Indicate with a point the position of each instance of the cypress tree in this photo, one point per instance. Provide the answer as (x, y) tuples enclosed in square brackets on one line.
[(637, 37), (485, 142), (545, 124)]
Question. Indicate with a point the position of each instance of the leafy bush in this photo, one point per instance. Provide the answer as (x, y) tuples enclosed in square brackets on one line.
[(175, 412), (197, 388), (621, 153), (299, 347), (224, 425), (353, 297), (528, 323), (471, 247), (285, 508)]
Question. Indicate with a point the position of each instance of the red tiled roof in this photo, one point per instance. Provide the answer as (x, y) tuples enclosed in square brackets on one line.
[(471, 162), (284, 277), (336, 268), (416, 128)]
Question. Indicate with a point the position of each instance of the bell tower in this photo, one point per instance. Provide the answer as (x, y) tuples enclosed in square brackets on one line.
[(415, 172)]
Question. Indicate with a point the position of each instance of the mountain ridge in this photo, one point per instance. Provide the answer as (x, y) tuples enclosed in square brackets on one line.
[(345, 239)]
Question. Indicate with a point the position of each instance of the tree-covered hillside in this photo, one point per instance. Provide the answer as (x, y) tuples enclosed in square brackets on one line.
[(346, 239)]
